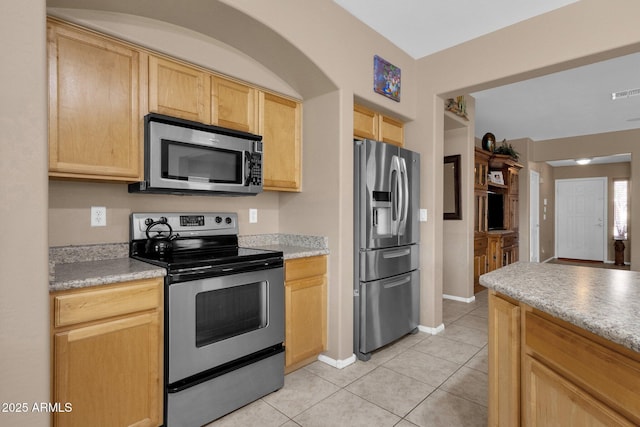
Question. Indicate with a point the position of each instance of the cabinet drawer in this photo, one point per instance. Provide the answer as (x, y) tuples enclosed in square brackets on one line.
[(509, 240), (480, 245), (85, 306), (605, 373), (300, 268)]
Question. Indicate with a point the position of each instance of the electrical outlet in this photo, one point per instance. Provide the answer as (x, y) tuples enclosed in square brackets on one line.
[(253, 216), (423, 215), (98, 216)]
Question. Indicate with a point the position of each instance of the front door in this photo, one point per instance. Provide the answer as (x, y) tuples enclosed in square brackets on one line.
[(581, 218)]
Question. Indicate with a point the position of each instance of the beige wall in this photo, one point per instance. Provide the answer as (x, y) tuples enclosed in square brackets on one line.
[(24, 308)]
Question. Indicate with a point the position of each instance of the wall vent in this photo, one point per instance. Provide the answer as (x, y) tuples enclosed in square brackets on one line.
[(625, 93)]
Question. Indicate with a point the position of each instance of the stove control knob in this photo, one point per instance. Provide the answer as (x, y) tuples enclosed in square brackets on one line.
[(228, 220), (218, 219)]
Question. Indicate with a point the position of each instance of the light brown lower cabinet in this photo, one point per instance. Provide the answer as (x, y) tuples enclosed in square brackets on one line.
[(107, 355), (544, 371), (504, 362), (305, 310)]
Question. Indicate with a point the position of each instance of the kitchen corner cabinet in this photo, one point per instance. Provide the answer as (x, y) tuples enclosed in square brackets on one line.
[(281, 130), (107, 354), (369, 124), (179, 90), (305, 310), (545, 371), (94, 105)]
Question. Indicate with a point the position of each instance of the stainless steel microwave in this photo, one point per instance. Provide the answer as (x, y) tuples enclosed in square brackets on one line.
[(186, 157)]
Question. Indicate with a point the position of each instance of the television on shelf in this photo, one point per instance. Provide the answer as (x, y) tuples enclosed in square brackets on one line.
[(495, 211)]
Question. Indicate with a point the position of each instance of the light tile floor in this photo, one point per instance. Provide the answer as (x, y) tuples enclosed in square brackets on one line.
[(421, 380)]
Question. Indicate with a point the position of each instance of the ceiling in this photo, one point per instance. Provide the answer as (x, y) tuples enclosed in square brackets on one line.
[(570, 103)]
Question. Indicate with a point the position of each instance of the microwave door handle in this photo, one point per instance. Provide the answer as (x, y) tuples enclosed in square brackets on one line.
[(246, 165)]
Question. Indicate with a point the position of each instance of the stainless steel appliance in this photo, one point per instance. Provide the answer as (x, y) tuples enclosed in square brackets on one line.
[(224, 313), (186, 157), (386, 251)]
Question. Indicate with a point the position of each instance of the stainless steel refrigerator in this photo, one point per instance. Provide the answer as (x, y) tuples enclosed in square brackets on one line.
[(386, 235)]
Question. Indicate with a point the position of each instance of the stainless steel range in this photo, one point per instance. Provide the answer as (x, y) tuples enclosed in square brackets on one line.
[(224, 313)]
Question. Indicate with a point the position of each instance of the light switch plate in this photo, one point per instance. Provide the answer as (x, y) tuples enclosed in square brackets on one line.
[(423, 215), (253, 216)]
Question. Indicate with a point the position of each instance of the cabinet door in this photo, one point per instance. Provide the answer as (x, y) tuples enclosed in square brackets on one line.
[(280, 126), (480, 172), (504, 362), (94, 115), (391, 131), (179, 90), (494, 253), (110, 373), (234, 105), (481, 206), (479, 259), (514, 213), (552, 400), (513, 181), (306, 312), (365, 123)]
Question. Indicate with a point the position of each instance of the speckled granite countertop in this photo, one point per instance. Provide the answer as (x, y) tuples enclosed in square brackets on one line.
[(93, 273), (605, 302), (291, 245), (72, 267)]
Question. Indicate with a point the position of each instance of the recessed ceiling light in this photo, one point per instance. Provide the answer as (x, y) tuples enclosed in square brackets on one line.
[(583, 161)]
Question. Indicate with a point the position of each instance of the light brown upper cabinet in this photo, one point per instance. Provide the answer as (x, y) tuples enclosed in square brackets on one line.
[(94, 106), (234, 105), (280, 127), (101, 88), (369, 124), (179, 90)]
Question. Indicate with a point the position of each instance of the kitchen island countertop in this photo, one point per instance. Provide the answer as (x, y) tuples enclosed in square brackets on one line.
[(605, 302)]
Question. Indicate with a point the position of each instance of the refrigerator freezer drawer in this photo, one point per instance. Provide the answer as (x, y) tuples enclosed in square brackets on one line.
[(389, 309), (380, 263)]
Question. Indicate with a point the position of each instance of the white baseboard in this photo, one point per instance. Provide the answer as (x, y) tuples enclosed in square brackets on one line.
[(455, 298), (548, 259), (340, 364), (432, 331)]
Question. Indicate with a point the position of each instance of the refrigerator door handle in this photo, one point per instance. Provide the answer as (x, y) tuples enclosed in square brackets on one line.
[(394, 185), (394, 283), (405, 198), (396, 254)]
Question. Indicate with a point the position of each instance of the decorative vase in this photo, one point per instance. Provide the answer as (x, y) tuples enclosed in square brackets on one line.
[(489, 142)]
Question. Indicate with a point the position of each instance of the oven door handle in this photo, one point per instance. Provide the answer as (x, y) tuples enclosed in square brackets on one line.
[(186, 274)]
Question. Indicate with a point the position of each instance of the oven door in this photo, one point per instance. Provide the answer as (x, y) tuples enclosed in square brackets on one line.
[(220, 319)]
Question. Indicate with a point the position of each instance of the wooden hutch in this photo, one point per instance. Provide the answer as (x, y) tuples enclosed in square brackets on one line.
[(496, 213)]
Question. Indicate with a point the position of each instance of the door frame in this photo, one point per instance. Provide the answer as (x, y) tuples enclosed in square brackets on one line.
[(534, 216), (605, 219)]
